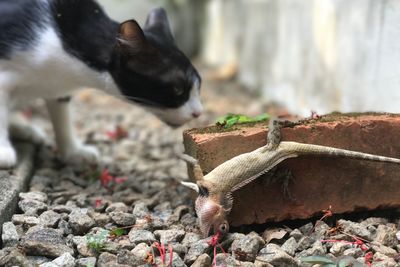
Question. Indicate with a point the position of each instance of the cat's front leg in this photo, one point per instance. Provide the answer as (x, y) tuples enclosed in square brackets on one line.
[(71, 149), (8, 156)]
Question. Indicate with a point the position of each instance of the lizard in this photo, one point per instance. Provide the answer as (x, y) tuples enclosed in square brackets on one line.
[(214, 201)]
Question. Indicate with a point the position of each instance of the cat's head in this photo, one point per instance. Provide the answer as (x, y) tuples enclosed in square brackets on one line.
[(151, 71)]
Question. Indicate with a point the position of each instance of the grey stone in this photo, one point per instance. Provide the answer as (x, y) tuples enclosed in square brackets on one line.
[(304, 243), (65, 227), (306, 229), (262, 264), (140, 210), (338, 248), (141, 236), (354, 252), (188, 220), (106, 259), (127, 257), (117, 206), (355, 229), (248, 246), (374, 221), (223, 259), (381, 260), (45, 242), (39, 196), (320, 229), (296, 234), (80, 242), (62, 209), (141, 250), (190, 238), (384, 250), (40, 183), (37, 260), (65, 260), (11, 256), (169, 236), (386, 235), (79, 221), (122, 218), (26, 220), (49, 218), (196, 249), (100, 219), (176, 260), (180, 249), (125, 244), (290, 246), (144, 224), (86, 262), (101, 207), (12, 184), (9, 235), (317, 249), (202, 261), (275, 256), (31, 206), (178, 212)]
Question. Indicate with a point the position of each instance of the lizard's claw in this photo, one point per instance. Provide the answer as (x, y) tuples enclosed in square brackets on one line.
[(287, 178)]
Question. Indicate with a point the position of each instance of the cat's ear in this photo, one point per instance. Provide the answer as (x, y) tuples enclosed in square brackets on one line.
[(157, 21), (131, 35)]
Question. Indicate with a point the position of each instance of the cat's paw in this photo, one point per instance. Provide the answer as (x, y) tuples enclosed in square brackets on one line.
[(29, 133), (82, 154), (8, 157)]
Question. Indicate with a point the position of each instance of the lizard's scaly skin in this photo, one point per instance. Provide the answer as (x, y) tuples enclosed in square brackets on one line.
[(242, 169)]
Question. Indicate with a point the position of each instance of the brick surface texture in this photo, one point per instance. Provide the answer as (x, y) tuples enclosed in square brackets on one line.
[(345, 184)]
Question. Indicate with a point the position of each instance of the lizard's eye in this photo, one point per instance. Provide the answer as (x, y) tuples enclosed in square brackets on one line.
[(224, 228)]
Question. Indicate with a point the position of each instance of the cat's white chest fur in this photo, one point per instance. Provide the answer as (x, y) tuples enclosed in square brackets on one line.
[(47, 71)]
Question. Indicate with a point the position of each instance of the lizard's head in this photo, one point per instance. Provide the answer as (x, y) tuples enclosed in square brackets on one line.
[(212, 215)]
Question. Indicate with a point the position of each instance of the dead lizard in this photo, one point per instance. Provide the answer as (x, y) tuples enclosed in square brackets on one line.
[(214, 201)]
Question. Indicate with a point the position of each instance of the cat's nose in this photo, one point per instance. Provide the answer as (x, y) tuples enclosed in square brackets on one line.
[(196, 114)]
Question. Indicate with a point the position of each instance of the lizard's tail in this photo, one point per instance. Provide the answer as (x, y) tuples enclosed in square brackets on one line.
[(307, 149), (197, 171)]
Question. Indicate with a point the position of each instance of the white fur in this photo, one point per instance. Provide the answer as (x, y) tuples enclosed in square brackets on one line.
[(178, 116), (48, 71)]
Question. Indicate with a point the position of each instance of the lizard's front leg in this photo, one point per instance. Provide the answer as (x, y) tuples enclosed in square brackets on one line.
[(70, 148), (281, 175), (278, 174)]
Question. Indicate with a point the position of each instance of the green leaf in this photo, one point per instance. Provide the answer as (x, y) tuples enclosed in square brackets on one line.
[(324, 260), (117, 232), (231, 119)]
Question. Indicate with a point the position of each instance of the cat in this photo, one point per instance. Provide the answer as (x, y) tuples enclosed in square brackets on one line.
[(49, 48)]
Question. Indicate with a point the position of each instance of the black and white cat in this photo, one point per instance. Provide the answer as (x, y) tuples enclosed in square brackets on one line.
[(49, 48)]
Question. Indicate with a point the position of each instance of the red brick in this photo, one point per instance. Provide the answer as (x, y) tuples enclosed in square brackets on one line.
[(345, 184)]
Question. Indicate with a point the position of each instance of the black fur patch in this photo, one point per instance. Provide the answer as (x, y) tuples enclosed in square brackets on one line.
[(20, 21), (85, 31)]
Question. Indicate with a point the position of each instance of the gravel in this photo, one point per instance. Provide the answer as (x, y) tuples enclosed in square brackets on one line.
[(144, 216)]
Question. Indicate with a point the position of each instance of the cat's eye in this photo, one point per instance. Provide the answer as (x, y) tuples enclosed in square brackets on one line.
[(178, 90)]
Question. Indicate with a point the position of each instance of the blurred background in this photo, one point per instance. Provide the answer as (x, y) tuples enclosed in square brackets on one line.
[(320, 55)]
